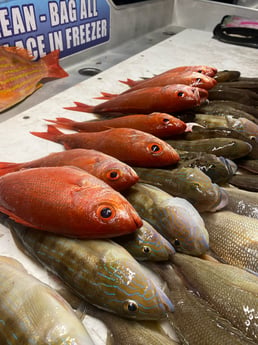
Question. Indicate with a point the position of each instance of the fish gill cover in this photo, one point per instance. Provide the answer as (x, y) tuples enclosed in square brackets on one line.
[(44, 26)]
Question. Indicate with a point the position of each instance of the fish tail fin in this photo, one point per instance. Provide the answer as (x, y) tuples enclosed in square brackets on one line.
[(52, 134), (7, 167), (106, 95), (81, 107), (129, 82), (63, 122), (51, 61)]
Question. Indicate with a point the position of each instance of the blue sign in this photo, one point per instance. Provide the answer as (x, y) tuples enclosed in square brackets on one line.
[(44, 26)]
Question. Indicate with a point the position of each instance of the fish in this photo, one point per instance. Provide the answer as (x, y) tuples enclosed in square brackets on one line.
[(175, 218), (128, 332), (242, 202), (198, 133), (218, 169), (194, 320), (115, 173), (167, 99), (100, 272), (187, 183), (242, 84), (226, 107), (227, 76), (187, 78), (161, 125), (227, 147), (206, 70), (243, 96), (249, 165), (230, 290), (67, 201), (20, 76), (233, 238), (245, 181), (146, 244), (34, 313), (148, 150)]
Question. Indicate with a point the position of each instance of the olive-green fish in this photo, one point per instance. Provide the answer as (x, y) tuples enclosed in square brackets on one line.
[(188, 183), (249, 165), (242, 202), (230, 290), (218, 169), (195, 321), (245, 181), (233, 238), (175, 218), (221, 132), (226, 147), (223, 92), (146, 244), (33, 313), (227, 76), (99, 271)]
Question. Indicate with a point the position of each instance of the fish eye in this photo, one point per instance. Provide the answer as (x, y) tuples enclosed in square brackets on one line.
[(113, 175), (180, 94), (177, 243), (154, 148), (146, 250), (130, 306), (200, 71), (106, 212), (165, 120)]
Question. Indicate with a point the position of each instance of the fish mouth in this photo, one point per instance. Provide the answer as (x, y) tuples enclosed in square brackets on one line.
[(230, 165), (165, 302), (222, 200)]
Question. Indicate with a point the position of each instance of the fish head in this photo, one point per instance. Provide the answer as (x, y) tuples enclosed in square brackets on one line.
[(133, 293), (201, 80), (109, 213), (222, 199), (166, 124), (207, 70), (150, 245), (118, 175), (185, 228)]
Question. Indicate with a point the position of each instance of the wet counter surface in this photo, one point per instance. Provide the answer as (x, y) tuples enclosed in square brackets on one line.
[(189, 47)]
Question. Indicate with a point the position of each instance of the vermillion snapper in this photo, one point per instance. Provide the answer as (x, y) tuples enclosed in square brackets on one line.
[(20, 76), (67, 201)]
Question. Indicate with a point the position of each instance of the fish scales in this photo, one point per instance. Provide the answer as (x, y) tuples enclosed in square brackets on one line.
[(33, 313), (230, 290), (168, 215), (194, 320), (188, 183), (99, 271), (233, 238)]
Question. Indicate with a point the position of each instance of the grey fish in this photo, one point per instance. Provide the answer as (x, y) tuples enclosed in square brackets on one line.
[(226, 147), (99, 271), (249, 165), (146, 243), (245, 181), (188, 183), (242, 202), (225, 107), (223, 92), (33, 313), (230, 290), (218, 169), (175, 218), (233, 238), (194, 320)]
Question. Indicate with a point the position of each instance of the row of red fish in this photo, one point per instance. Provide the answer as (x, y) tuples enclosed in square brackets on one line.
[(73, 202)]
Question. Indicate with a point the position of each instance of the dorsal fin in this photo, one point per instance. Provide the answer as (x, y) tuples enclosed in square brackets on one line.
[(22, 52)]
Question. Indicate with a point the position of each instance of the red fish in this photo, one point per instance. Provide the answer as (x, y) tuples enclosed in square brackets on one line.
[(167, 99), (161, 125), (129, 145), (115, 173), (206, 70), (20, 76), (67, 201), (187, 78)]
